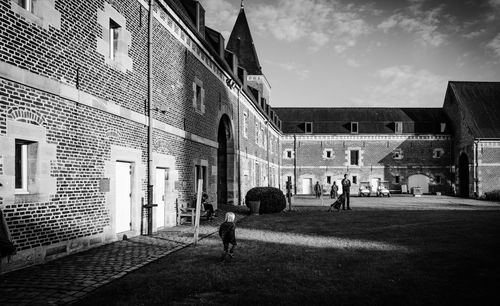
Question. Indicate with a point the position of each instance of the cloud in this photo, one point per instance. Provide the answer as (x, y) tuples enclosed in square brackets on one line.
[(494, 46), (353, 63), (220, 15), (293, 68), (317, 22), (404, 86), (423, 24), (474, 34)]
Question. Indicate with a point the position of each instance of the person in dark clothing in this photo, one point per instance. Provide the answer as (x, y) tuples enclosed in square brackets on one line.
[(317, 190), (228, 236), (208, 206), (334, 192), (346, 190)]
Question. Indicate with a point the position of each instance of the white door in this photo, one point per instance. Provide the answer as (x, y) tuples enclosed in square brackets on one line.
[(307, 186), (339, 185), (374, 184), (419, 180), (160, 197), (123, 196)]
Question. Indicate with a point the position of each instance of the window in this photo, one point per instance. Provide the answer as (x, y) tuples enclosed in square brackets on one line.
[(26, 4), (437, 153), (398, 129), (245, 125), (443, 127), (288, 154), (328, 179), (397, 179), (200, 173), (25, 154), (328, 154), (263, 137), (437, 179), (354, 179), (257, 132), (354, 157), (397, 154), (114, 32), (198, 96), (309, 127), (354, 127)]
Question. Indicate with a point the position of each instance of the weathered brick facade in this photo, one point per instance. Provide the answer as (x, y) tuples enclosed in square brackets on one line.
[(81, 113)]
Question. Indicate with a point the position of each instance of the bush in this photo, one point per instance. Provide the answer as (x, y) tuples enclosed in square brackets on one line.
[(272, 200), (493, 195)]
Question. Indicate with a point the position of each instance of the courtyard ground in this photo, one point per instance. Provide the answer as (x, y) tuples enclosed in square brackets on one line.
[(386, 251)]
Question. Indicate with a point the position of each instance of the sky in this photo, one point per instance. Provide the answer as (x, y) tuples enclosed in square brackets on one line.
[(392, 53)]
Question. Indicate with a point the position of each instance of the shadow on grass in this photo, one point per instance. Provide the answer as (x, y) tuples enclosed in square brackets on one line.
[(305, 258)]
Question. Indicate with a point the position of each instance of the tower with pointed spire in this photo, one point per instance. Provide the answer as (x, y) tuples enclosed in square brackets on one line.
[(242, 45)]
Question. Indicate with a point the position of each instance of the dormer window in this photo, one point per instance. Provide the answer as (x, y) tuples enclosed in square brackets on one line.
[(398, 127), (437, 153), (308, 127), (354, 127), (443, 127), (397, 154)]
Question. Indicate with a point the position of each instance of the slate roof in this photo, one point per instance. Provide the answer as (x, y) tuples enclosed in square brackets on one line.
[(241, 43), (481, 100), (370, 120)]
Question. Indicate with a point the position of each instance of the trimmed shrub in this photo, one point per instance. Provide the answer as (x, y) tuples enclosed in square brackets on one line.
[(272, 200), (493, 195)]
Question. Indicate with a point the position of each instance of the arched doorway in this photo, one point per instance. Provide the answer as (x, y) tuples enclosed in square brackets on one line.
[(225, 161), (419, 180), (463, 175)]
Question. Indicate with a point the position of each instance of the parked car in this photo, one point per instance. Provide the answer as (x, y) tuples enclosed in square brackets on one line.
[(364, 189), (382, 191)]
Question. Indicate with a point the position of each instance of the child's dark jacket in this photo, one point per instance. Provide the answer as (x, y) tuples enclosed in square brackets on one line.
[(226, 232)]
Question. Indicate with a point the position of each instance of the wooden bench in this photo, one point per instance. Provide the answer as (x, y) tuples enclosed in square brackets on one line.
[(189, 212)]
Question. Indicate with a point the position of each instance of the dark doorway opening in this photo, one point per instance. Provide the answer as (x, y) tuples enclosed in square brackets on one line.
[(463, 171), (225, 160)]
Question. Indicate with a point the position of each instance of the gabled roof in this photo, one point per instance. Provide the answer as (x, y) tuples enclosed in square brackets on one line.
[(481, 100), (241, 43), (370, 120)]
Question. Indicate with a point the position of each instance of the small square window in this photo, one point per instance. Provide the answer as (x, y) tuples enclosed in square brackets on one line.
[(437, 179), (328, 179), (309, 127), (328, 154), (354, 179), (397, 179), (354, 127)]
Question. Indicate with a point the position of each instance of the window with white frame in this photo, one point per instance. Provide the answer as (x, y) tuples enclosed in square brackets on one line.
[(328, 179), (398, 127), (264, 137), (200, 172), (354, 160), (114, 38), (437, 153), (288, 154), (257, 132), (354, 179), (25, 159), (354, 127), (198, 96), (308, 127), (328, 154), (245, 125), (397, 154)]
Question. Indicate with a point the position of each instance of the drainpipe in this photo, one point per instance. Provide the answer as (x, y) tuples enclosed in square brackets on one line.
[(267, 150), (239, 152), (150, 118), (475, 171), (294, 163)]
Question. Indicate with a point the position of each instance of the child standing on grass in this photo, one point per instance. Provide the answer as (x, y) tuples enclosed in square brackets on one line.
[(227, 234)]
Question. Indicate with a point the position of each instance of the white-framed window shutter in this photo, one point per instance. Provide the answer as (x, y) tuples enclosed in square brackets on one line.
[(202, 102), (194, 94)]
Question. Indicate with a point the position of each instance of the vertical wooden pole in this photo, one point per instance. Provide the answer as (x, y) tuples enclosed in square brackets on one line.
[(198, 209)]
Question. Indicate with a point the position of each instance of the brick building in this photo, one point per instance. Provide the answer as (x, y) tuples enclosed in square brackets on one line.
[(399, 147), (105, 107), (474, 110)]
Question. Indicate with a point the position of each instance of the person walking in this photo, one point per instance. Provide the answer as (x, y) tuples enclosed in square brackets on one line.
[(334, 192), (228, 236), (346, 190), (317, 190)]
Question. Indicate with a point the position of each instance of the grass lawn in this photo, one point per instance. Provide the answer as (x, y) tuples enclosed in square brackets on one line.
[(309, 257)]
